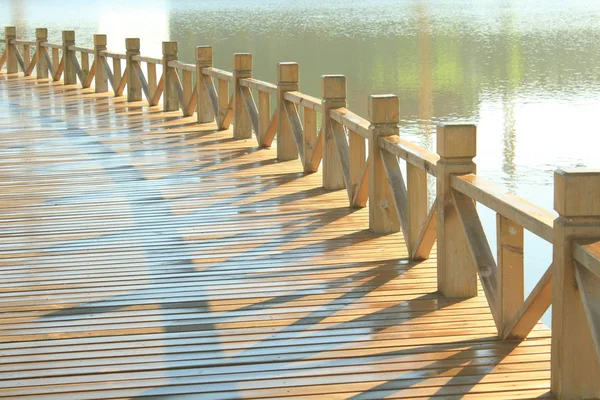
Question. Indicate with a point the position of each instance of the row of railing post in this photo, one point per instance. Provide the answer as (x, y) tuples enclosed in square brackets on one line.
[(575, 366)]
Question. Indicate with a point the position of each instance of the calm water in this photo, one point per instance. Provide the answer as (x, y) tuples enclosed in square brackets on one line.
[(527, 72)]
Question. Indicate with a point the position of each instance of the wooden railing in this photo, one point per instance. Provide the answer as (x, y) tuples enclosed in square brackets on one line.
[(364, 156)]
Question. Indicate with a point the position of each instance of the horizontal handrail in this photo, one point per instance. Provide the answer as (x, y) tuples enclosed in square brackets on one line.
[(352, 121), (150, 60), (303, 100), (116, 56), (81, 49), (419, 157), (218, 73), (51, 45), (23, 42), (535, 219), (588, 255), (261, 86), (182, 65)]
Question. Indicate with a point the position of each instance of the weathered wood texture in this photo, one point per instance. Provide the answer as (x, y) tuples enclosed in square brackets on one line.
[(147, 255)]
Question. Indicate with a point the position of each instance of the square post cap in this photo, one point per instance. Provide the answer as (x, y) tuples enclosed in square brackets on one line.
[(384, 109), (577, 192), (242, 62), (100, 40), (204, 53), (287, 72), (41, 33), (333, 87), (68, 36), (456, 141), (169, 48), (132, 44)]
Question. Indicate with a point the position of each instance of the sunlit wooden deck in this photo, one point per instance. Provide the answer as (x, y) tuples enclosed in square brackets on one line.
[(144, 255)]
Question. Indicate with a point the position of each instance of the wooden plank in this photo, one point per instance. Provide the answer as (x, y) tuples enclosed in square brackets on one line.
[(56, 56), (23, 42), (150, 60), (411, 153), (109, 74), (361, 194), (90, 75), (140, 75), (32, 64), (179, 65), (480, 250), (178, 88), (418, 207), (27, 59), (228, 117), (427, 236), (589, 289), (271, 130), (218, 74), (303, 100), (118, 77), (77, 67), (252, 110), (159, 90), (189, 92), (17, 54), (192, 103), (48, 62), (3, 58), (398, 188), (214, 98), (534, 307), (260, 86), (59, 70), (357, 161), (152, 83), (587, 253), (352, 121), (223, 103), (343, 152), (264, 116), (296, 126), (511, 279), (531, 217), (85, 68), (309, 119), (122, 83)]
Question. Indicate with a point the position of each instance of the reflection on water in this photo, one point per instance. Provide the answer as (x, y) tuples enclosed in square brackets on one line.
[(525, 71)]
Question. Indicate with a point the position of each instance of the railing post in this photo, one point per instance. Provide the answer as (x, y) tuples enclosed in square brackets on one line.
[(134, 87), (10, 34), (333, 94), (41, 69), (242, 69), (511, 281), (70, 75), (287, 81), (170, 96), (204, 59), (456, 271), (384, 114), (575, 365), (101, 79)]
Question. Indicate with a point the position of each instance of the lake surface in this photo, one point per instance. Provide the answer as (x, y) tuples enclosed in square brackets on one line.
[(526, 72)]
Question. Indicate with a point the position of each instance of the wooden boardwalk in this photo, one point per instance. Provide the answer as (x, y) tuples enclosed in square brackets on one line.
[(144, 255)]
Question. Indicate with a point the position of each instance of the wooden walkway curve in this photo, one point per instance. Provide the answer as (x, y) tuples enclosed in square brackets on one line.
[(146, 256)]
